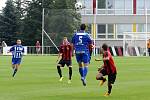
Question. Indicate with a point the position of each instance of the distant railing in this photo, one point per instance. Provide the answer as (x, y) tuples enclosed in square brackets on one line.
[(115, 12), (32, 50)]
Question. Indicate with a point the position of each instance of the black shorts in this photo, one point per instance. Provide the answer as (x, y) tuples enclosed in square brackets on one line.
[(111, 77), (65, 62)]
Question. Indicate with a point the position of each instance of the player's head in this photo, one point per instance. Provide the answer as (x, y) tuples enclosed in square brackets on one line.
[(37, 42), (18, 41), (105, 47), (83, 27), (65, 41)]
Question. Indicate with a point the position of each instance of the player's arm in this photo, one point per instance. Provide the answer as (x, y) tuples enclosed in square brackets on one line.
[(59, 56), (11, 49), (96, 59), (72, 49)]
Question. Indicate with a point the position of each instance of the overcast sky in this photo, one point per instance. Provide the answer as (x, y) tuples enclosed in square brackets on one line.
[(2, 4)]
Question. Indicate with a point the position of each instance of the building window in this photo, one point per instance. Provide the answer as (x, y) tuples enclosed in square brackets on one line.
[(128, 6), (101, 4), (119, 6), (140, 6), (110, 28), (122, 28), (140, 28), (101, 31), (110, 6), (148, 27), (147, 2)]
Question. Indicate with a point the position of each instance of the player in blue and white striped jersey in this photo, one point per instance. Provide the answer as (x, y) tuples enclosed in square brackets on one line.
[(17, 52)]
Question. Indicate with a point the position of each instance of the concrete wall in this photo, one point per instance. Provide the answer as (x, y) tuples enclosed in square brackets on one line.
[(139, 43), (115, 19)]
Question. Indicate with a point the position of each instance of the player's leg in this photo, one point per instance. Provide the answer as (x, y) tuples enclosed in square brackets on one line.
[(13, 64), (16, 64), (79, 60), (86, 59), (100, 77), (16, 69), (59, 65), (111, 80), (69, 65)]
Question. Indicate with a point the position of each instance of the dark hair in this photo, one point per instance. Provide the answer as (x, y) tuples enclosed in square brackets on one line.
[(83, 27), (105, 46)]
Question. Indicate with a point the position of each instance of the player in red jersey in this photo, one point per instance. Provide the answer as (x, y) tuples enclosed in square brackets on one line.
[(65, 52), (108, 68), (38, 47)]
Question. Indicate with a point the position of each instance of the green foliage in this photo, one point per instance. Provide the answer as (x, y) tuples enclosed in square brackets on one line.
[(9, 23), (61, 20), (23, 19)]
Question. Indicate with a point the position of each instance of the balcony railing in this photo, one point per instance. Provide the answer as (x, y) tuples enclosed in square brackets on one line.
[(115, 12)]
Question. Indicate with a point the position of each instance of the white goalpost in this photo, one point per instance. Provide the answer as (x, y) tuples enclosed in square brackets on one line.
[(135, 43)]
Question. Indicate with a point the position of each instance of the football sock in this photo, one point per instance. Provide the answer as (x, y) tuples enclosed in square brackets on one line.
[(70, 73), (109, 88), (81, 71), (85, 71), (15, 71), (59, 71)]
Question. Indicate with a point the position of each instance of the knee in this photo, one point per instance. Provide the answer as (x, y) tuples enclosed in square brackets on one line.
[(109, 84), (98, 77)]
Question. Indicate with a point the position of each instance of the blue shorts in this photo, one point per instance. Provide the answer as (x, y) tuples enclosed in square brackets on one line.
[(16, 61), (82, 57)]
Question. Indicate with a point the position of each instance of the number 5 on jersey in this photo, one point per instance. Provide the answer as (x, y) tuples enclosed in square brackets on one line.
[(80, 39)]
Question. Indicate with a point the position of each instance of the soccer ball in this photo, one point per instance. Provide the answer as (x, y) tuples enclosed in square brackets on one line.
[(78, 6)]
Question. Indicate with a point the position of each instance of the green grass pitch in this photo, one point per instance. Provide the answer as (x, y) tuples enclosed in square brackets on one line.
[(37, 79)]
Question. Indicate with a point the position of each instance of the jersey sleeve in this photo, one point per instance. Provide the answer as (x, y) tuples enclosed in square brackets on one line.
[(12, 49), (23, 49), (89, 39)]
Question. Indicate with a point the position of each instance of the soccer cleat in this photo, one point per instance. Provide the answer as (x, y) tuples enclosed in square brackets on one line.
[(60, 80), (107, 94), (102, 82), (83, 81), (69, 81)]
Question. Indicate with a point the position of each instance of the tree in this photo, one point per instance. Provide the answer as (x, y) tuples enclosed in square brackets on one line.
[(62, 20), (9, 27), (33, 22)]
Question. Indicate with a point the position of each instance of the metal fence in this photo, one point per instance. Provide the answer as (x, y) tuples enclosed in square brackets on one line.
[(32, 50)]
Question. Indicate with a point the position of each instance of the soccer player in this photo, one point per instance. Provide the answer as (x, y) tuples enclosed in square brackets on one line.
[(108, 68), (38, 47), (81, 41), (17, 52), (65, 52)]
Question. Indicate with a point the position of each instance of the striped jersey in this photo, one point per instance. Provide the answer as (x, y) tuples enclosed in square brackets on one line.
[(66, 51), (17, 51)]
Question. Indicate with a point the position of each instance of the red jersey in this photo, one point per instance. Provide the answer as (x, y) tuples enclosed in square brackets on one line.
[(37, 45), (66, 51), (109, 65)]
